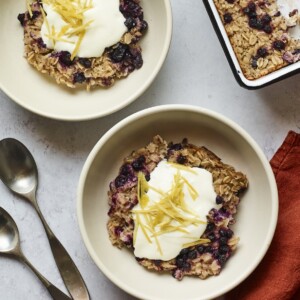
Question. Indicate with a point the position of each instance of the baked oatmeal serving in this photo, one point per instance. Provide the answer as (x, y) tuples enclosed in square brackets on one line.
[(84, 42), (265, 34), (173, 206)]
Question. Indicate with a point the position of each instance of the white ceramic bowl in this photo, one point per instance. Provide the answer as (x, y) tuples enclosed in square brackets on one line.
[(256, 219), (40, 94)]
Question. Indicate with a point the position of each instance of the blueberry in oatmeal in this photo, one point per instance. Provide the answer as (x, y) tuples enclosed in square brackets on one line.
[(172, 205), (84, 43)]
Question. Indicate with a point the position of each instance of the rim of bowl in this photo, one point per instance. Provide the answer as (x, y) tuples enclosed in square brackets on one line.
[(190, 108), (130, 99)]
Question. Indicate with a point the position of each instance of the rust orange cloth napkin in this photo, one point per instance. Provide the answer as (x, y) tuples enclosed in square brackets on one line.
[(278, 275)]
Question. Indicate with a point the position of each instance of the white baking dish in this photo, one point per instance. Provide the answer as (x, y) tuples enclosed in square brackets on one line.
[(233, 62)]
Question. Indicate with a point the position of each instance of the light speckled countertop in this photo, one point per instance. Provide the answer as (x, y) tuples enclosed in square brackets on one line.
[(195, 72)]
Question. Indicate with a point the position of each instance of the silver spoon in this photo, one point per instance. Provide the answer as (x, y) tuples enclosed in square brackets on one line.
[(18, 171), (10, 245)]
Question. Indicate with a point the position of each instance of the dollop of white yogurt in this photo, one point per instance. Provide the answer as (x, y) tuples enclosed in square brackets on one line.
[(171, 243), (106, 29)]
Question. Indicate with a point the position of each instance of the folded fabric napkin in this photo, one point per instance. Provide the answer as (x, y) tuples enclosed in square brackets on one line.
[(278, 275)]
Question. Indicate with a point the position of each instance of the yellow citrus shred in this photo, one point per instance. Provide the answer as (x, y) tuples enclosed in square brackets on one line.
[(56, 38), (71, 12), (182, 167), (171, 229), (143, 228), (195, 243), (143, 188), (194, 194), (155, 237), (169, 214), (45, 19), (28, 4), (76, 49), (136, 227), (156, 190)]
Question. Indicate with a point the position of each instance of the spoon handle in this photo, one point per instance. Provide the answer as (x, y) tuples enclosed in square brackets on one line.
[(67, 268), (53, 290)]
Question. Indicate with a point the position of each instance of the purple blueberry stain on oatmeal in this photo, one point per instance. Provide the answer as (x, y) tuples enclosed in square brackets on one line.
[(138, 61), (266, 19), (192, 254), (278, 45), (210, 227), (131, 9), (250, 8), (293, 12), (120, 181), (130, 23), (227, 18), (35, 14), (143, 26), (222, 260), (254, 63), (21, 18), (208, 249), (277, 14), (157, 262), (138, 164), (106, 82), (257, 22), (211, 236), (181, 159), (175, 147), (79, 77), (126, 170), (118, 230), (147, 177), (85, 62), (226, 233), (201, 249), (262, 52), (64, 57), (223, 249), (268, 29), (41, 43), (223, 240), (177, 274), (118, 53), (180, 262), (292, 57), (184, 252), (219, 199)]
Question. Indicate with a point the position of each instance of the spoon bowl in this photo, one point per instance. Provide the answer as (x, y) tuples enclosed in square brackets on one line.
[(9, 233), (18, 169)]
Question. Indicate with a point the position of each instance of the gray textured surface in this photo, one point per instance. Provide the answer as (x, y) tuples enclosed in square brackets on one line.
[(195, 72)]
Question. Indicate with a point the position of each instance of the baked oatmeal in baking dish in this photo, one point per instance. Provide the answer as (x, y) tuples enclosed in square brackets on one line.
[(84, 42), (173, 206), (265, 34)]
